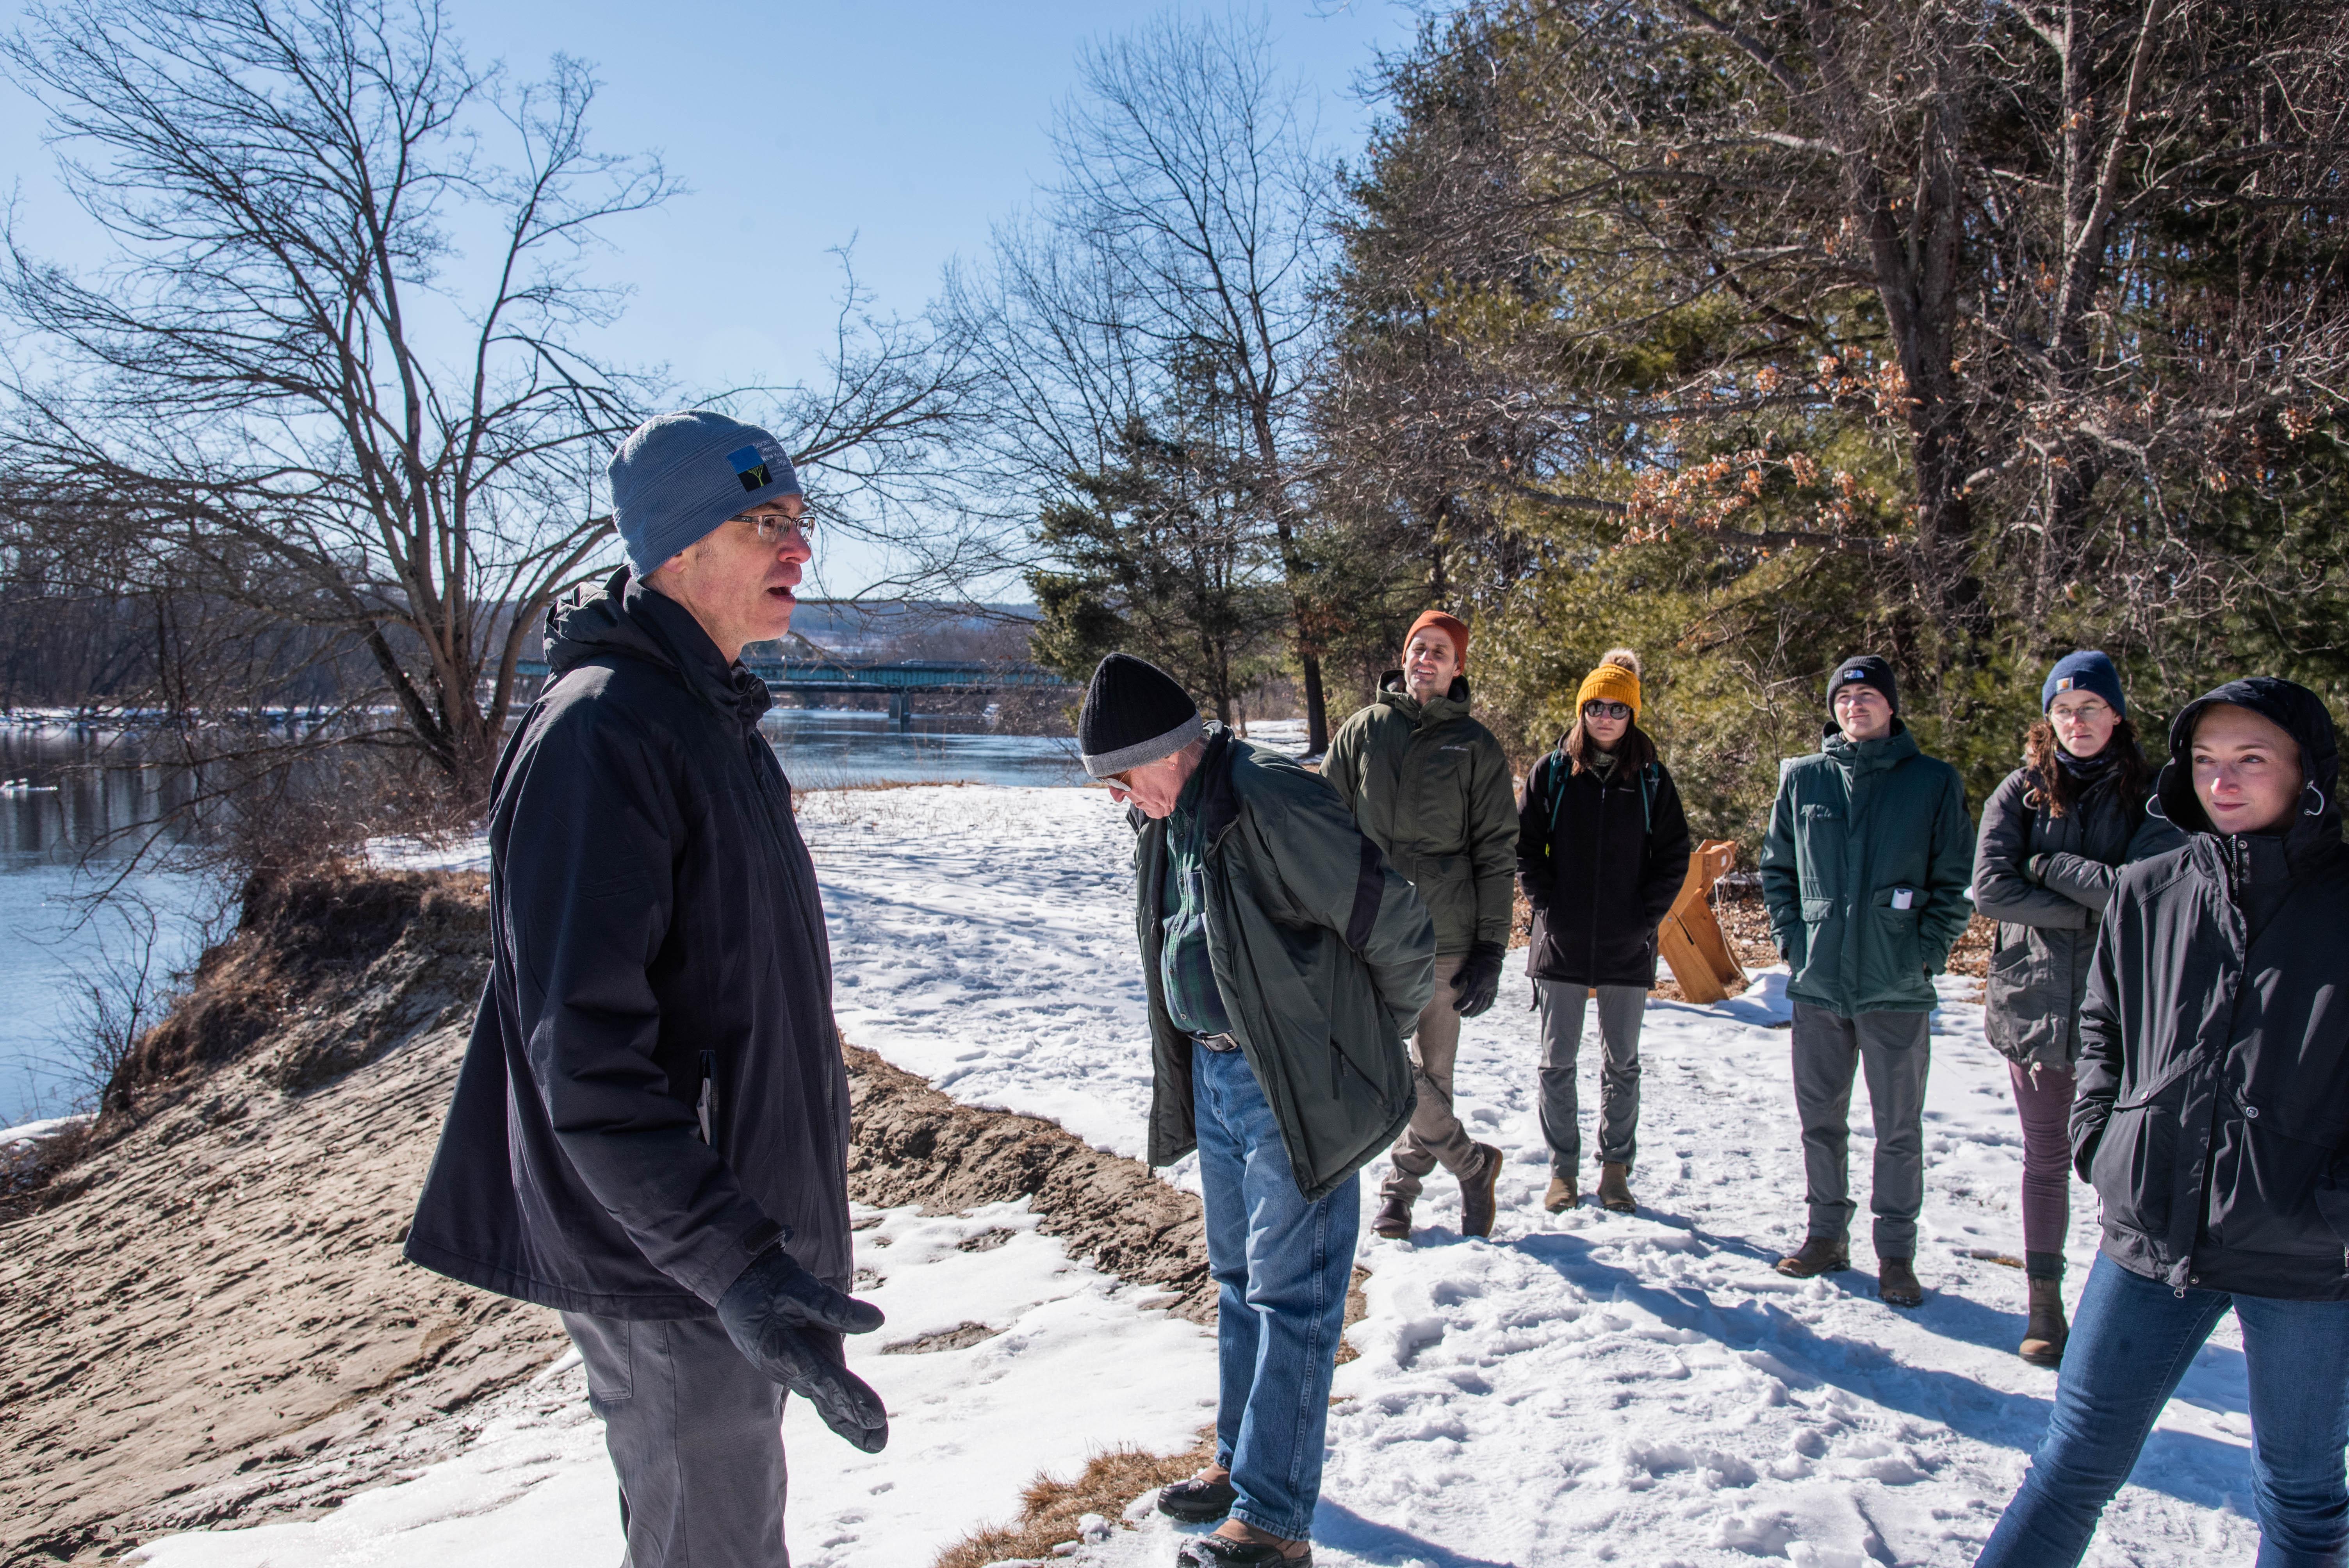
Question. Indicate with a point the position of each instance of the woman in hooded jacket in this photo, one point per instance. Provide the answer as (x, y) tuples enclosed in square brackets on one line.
[(2054, 837), (1602, 849), (2212, 1117)]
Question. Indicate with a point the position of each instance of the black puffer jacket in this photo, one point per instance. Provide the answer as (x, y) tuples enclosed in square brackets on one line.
[(2212, 1114), (1600, 862), (654, 1085), (2047, 928)]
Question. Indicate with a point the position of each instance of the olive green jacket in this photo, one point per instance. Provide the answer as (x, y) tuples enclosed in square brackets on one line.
[(1431, 787), (1853, 827), (1323, 954)]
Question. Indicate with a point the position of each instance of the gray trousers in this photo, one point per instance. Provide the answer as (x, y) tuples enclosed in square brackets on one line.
[(1829, 1050), (1620, 1009), (696, 1435), (1434, 1136)]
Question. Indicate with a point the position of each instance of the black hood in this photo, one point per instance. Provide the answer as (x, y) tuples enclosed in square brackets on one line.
[(2301, 714), (632, 620)]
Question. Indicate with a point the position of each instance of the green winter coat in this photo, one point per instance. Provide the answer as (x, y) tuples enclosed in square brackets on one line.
[(1853, 825), (1431, 787), (1324, 956)]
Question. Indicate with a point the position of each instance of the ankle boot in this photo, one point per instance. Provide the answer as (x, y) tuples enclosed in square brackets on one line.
[(1615, 1189), (1393, 1219), (2044, 1336)]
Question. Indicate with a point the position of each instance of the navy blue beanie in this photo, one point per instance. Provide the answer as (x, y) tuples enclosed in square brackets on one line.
[(2087, 670), (679, 476)]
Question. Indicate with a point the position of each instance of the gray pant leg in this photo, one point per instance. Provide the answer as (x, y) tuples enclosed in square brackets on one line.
[(1894, 1053), (1827, 1058), (1620, 1010), (696, 1435), (1434, 1136), (1562, 1003)]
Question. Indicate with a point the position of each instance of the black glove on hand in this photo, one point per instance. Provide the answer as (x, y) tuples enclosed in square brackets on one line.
[(1479, 980), (787, 1323)]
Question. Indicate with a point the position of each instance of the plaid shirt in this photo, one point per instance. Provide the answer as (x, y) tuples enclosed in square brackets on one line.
[(1185, 970)]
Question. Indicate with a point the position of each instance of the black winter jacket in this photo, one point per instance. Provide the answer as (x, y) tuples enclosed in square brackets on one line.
[(2212, 1114), (1600, 862), (2047, 930), (654, 1090)]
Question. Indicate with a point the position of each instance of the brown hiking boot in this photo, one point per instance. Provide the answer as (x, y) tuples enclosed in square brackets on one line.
[(1819, 1254), (1561, 1195), (1615, 1189), (1394, 1218), (2044, 1336), (1896, 1283), (1476, 1204)]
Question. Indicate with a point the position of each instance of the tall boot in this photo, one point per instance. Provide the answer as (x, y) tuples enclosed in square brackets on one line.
[(2044, 1336)]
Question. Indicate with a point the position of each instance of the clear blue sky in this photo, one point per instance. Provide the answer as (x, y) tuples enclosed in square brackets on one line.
[(906, 127)]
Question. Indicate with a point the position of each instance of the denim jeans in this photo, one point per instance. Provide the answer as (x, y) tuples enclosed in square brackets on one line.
[(2131, 1343), (1282, 1265)]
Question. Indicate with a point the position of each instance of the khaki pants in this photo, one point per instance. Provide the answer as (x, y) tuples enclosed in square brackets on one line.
[(1434, 1136)]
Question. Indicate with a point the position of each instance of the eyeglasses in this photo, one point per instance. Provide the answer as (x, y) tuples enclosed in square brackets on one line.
[(1606, 710), (772, 528)]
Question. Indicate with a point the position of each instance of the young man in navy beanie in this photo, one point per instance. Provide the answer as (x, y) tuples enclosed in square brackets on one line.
[(650, 1131), (1284, 961), (1865, 873)]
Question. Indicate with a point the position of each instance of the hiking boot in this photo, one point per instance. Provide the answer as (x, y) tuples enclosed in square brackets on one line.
[(1819, 1254), (1561, 1195), (1615, 1189), (2044, 1336), (1222, 1552), (1476, 1204), (1896, 1283), (1196, 1500), (1393, 1219)]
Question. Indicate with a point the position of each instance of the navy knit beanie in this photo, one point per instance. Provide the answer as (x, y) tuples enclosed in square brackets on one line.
[(2087, 670), (679, 476), (1867, 670), (1134, 713)]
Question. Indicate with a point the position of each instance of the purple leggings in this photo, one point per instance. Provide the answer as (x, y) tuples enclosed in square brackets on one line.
[(2043, 1097)]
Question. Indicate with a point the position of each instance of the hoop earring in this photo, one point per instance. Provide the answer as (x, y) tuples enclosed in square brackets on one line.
[(2311, 789)]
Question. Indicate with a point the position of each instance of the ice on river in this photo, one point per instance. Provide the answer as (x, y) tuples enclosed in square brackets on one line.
[(1582, 1388)]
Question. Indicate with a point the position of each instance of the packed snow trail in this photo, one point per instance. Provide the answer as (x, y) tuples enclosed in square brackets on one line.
[(1584, 1387)]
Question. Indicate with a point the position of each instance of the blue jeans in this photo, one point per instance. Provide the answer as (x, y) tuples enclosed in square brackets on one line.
[(2133, 1341), (1282, 1264)]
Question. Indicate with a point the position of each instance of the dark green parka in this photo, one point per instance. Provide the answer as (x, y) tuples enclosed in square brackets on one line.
[(1323, 954), (1432, 788)]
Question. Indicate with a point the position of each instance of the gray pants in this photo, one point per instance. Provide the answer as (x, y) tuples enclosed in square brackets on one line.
[(1434, 1136), (1828, 1051), (1620, 1009), (696, 1435)]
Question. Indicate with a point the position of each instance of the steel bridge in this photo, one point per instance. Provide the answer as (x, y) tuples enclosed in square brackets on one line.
[(900, 681)]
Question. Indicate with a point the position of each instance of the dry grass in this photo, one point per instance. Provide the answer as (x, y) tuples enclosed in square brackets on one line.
[(1050, 1509)]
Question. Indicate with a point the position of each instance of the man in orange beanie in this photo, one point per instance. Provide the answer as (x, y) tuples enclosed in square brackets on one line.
[(1430, 787)]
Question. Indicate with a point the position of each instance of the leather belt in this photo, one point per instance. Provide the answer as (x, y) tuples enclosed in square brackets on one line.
[(1219, 1042)]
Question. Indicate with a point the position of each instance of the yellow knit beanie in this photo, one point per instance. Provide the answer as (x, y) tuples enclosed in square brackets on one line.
[(1616, 679)]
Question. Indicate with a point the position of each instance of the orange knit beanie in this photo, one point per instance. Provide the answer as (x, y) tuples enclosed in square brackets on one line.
[(1616, 679)]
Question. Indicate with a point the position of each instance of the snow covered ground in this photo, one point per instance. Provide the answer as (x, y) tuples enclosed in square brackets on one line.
[(1583, 1387)]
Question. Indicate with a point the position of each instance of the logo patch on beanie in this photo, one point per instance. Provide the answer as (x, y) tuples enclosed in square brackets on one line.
[(2064, 685), (749, 468), (1855, 675)]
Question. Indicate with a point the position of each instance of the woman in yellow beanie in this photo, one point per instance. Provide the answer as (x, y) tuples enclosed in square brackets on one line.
[(1602, 846)]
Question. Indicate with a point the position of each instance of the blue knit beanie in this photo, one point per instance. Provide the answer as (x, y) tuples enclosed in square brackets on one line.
[(679, 476), (2085, 671)]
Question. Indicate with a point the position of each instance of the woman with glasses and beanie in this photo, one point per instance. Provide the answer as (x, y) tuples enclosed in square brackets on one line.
[(2212, 1118), (1602, 849), (2054, 838)]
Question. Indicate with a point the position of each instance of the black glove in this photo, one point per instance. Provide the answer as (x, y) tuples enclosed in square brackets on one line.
[(787, 1323), (1479, 980)]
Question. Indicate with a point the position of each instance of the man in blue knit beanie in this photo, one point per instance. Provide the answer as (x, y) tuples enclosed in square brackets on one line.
[(650, 1131)]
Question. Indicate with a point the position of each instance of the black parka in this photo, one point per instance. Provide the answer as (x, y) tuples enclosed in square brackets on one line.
[(2047, 928), (654, 1090), (1600, 861), (2212, 1114)]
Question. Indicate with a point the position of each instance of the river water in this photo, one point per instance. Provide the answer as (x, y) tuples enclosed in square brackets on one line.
[(63, 840)]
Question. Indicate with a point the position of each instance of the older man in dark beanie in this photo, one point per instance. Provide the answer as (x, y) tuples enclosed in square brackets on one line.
[(1865, 873), (650, 1131), (1285, 961)]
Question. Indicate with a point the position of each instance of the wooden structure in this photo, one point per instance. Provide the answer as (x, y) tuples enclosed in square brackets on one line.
[(1691, 938)]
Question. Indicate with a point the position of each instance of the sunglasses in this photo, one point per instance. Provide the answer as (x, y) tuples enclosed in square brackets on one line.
[(1606, 710)]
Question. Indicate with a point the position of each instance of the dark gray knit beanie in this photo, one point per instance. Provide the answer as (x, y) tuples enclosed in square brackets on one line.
[(679, 476), (1134, 713)]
